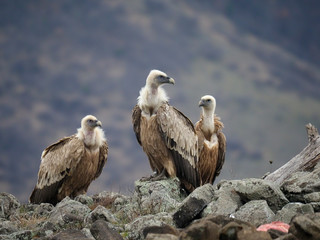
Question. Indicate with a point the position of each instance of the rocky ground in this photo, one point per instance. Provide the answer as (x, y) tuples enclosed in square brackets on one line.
[(160, 210)]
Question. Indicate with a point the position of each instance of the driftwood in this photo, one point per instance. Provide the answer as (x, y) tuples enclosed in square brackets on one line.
[(304, 161)]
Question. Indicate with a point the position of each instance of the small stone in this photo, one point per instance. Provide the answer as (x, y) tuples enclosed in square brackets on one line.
[(100, 230), (201, 230), (292, 209), (100, 213), (256, 212), (193, 205), (8, 205), (306, 226)]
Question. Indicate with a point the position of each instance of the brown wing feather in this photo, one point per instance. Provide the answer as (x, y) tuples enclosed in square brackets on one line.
[(136, 116), (180, 137), (58, 161), (103, 154), (221, 154)]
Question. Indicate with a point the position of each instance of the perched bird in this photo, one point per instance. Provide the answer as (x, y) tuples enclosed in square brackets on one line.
[(166, 135), (212, 142), (69, 166)]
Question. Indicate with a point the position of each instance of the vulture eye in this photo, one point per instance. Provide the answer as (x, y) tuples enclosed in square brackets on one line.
[(90, 120), (208, 100)]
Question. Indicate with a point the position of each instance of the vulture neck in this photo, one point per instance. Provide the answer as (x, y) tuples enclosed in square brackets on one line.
[(208, 123), (151, 98), (92, 138)]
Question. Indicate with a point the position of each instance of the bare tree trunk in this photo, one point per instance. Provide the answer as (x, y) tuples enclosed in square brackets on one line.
[(304, 161)]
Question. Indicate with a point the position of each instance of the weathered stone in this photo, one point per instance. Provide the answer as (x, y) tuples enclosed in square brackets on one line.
[(100, 213), (158, 196), (312, 197), (100, 230), (201, 230), (306, 226), (136, 227), (163, 229), (8, 205), (70, 234), (43, 210), (302, 183), (84, 199), (225, 202), (288, 236), (292, 209), (21, 235), (234, 230), (258, 189), (193, 205), (8, 227), (256, 212), (87, 233), (69, 212), (157, 236)]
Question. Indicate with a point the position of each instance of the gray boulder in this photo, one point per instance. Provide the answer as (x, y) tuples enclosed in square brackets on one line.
[(8, 205), (84, 199), (256, 212), (134, 230), (225, 201), (101, 213), (259, 189), (101, 230), (158, 196), (292, 209), (303, 186), (69, 212), (306, 226), (193, 205)]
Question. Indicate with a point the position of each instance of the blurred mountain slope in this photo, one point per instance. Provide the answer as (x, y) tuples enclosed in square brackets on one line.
[(61, 60)]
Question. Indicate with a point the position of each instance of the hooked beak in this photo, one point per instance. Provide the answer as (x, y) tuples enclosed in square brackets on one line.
[(201, 103), (98, 124), (162, 80)]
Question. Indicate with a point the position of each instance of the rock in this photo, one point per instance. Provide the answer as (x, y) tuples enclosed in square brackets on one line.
[(312, 197), (163, 229), (201, 230), (21, 235), (84, 199), (155, 236), (292, 209), (69, 212), (158, 196), (8, 205), (100, 213), (7, 227), (100, 230), (256, 212), (135, 228), (43, 210), (306, 226), (300, 184), (234, 230), (193, 205), (258, 189), (225, 202), (70, 234)]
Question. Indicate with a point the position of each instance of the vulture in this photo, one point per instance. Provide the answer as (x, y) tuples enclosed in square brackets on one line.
[(166, 135), (212, 142), (69, 166)]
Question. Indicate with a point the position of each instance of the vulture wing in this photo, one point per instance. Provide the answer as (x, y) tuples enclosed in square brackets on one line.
[(180, 137)]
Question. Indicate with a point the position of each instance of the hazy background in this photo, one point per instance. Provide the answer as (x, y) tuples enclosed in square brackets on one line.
[(62, 60)]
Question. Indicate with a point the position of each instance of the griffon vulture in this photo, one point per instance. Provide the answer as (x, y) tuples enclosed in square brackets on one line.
[(69, 166), (212, 142), (166, 135)]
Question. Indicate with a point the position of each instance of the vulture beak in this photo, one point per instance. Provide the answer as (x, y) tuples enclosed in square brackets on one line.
[(98, 124), (163, 79), (201, 103)]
